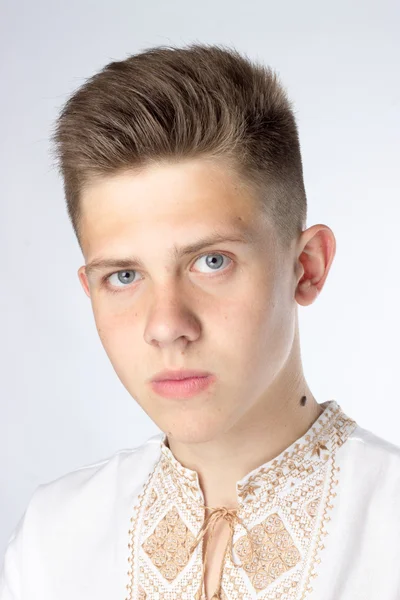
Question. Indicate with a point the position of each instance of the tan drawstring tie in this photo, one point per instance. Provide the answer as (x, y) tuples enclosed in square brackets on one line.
[(230, 515)]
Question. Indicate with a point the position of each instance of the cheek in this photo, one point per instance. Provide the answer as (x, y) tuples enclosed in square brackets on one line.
[(249, 317), (260, 334), (115, 331), (124, 351)]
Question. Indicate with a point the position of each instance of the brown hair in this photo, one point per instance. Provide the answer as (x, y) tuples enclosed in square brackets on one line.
[(170, 104)]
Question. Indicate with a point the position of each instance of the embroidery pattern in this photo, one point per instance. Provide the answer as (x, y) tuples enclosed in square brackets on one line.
[(168, 547), (275, 552), (284, 503)]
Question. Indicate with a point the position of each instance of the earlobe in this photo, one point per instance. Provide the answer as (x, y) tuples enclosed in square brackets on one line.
[(306, 292)]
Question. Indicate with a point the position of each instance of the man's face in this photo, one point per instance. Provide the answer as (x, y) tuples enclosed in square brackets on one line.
[(227, 309)]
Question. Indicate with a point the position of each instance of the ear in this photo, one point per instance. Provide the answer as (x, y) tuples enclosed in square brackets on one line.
[(317, 248), (84, 280)]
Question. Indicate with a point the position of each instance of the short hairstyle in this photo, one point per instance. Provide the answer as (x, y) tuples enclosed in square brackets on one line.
[(168, 104)]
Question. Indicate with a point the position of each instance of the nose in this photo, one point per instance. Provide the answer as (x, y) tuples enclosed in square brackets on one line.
[(171, 317)]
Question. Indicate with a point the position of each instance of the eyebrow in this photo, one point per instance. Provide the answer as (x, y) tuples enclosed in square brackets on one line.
[(176, 252)]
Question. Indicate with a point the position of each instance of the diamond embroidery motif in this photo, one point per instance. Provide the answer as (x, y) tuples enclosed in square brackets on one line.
[(169, 545), (274, 552)]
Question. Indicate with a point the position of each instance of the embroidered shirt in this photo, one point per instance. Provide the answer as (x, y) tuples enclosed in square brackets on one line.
[(285, 504), (321, 521)]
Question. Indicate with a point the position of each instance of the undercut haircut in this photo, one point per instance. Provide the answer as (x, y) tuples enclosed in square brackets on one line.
[(171, 104)]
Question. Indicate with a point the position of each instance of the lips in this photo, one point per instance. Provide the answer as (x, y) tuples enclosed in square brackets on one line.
[(182, 388), (179, 375)]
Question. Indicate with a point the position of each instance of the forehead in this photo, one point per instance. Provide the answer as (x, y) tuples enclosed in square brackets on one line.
[(194, 198)]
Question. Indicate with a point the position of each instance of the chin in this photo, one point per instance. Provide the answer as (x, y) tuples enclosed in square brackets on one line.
[(194, 435)]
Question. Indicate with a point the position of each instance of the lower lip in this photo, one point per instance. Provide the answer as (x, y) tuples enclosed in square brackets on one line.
[(181, 388)]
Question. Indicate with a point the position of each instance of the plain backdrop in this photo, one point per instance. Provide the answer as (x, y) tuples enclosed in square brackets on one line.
[(62, 405)]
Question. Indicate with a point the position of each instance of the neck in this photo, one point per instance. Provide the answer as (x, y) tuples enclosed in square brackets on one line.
[(266, 430)]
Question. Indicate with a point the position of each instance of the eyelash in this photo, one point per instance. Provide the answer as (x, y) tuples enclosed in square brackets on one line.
[(114, 290)]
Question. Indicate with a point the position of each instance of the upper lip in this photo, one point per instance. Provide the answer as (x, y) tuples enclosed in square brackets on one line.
[(181, 374)]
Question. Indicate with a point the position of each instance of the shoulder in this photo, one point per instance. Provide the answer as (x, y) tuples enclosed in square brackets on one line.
[(124, 471), (373, 446), (69, 518), (88, 495), (371, 460)]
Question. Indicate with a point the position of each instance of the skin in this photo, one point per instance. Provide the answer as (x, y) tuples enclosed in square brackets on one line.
[(238, 319)]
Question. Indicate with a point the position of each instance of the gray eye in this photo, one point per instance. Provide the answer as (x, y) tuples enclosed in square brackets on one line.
[(213, 261), (125, 277), (122, 277)]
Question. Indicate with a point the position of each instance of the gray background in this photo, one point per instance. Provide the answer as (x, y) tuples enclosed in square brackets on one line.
[(62, 405)]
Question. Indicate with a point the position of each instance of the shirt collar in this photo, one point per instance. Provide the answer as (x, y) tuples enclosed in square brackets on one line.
[(320, 441)]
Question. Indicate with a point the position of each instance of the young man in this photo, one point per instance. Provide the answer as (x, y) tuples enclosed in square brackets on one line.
[(183, 181)]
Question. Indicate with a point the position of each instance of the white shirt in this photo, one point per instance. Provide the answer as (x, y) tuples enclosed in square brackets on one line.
[(323, 516)]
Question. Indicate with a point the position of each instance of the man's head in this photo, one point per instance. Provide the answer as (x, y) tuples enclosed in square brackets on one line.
[(157, 152)]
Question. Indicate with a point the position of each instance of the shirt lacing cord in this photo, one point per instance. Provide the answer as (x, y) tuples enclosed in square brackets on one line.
[(217, 513)]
